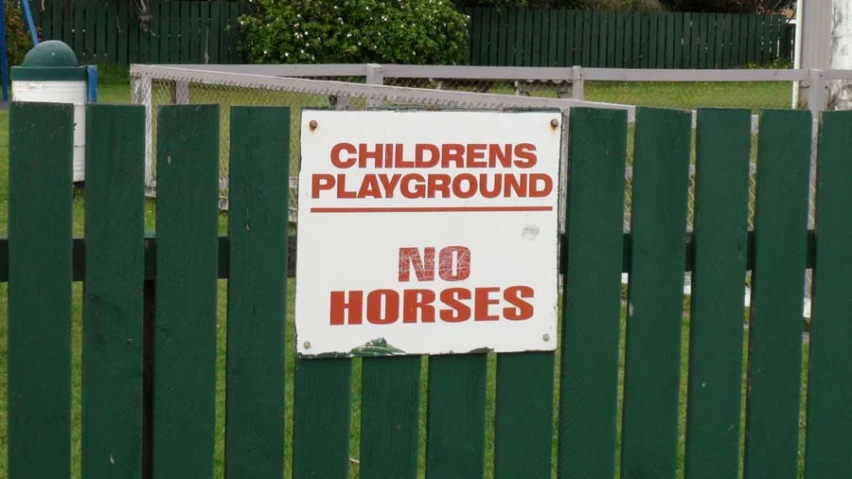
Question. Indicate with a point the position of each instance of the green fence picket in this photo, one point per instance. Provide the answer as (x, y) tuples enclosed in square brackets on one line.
[(91, 32), (476, 36), (775, 326), (233, 37), (204, 34), (536, 37), (102, 28), (39, 308), (216, 30), (185, 35), (670, 40), (53, 18), (636, 46), (494, 39), (154, 34), (122, 33), (187, 248), (322, 418), (655, 293), (830, 376), (176, 42), (112, 298), (622, 29), (595, 40), (112, 47), (556, 35), (753, 40), (509, 52), (523, 431), (257, 291), (723, 143), (390, 406), (592, 293), (603, 40), (455, 443), (67, 12)]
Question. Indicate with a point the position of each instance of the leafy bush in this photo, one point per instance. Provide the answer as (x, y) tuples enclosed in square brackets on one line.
[(354, 31), (18, 40)]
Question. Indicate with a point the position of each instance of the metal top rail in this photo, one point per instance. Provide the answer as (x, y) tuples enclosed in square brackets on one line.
[(509, 73)]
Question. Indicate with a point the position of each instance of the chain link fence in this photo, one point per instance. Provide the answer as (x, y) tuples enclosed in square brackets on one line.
[(158, 86), (331, 86), (360, 87)]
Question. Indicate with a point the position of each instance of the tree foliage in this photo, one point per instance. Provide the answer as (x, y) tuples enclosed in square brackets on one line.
[(354, 31), (18, 39)]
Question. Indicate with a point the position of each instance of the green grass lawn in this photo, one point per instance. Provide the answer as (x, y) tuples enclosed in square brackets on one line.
[(659, 95)]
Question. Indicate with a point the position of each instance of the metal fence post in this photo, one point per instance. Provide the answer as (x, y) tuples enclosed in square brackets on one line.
[(577, 85), (817, 100), (181, 93), (141, 95), (375, 76)]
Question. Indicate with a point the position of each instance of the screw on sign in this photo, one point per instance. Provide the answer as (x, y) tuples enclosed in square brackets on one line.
[(427, 232)]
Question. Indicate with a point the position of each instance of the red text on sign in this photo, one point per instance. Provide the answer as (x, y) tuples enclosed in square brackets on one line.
[(451, 305), (453, 263), (415, 186), (428, 155)]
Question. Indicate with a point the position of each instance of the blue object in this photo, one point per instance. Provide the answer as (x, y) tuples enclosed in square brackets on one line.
[(92, 82), (4, 54), (29, 15)]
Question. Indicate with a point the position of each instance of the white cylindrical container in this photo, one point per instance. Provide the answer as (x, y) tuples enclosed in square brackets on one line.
[(50, 74)]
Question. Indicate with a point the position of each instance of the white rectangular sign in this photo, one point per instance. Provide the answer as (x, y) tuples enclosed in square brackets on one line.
[(427, 232)]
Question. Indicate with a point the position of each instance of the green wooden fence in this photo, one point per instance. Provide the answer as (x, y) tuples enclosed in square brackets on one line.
[(150, 307), (205, 31), (564, 38), (171, 31)]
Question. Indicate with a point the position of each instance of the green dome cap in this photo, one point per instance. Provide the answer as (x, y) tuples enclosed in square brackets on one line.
[(52, 60)]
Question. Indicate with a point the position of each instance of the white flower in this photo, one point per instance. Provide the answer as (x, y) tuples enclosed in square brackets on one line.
[(348, 35)]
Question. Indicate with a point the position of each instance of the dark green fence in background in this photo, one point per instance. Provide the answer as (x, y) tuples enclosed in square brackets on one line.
[(193, 31), (102, 31), (560, 38)]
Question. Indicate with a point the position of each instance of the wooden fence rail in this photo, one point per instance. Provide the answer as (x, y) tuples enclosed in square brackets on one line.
[(177, 424)]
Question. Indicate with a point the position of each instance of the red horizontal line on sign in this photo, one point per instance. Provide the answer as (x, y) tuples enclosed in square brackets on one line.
[(432, 209)]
